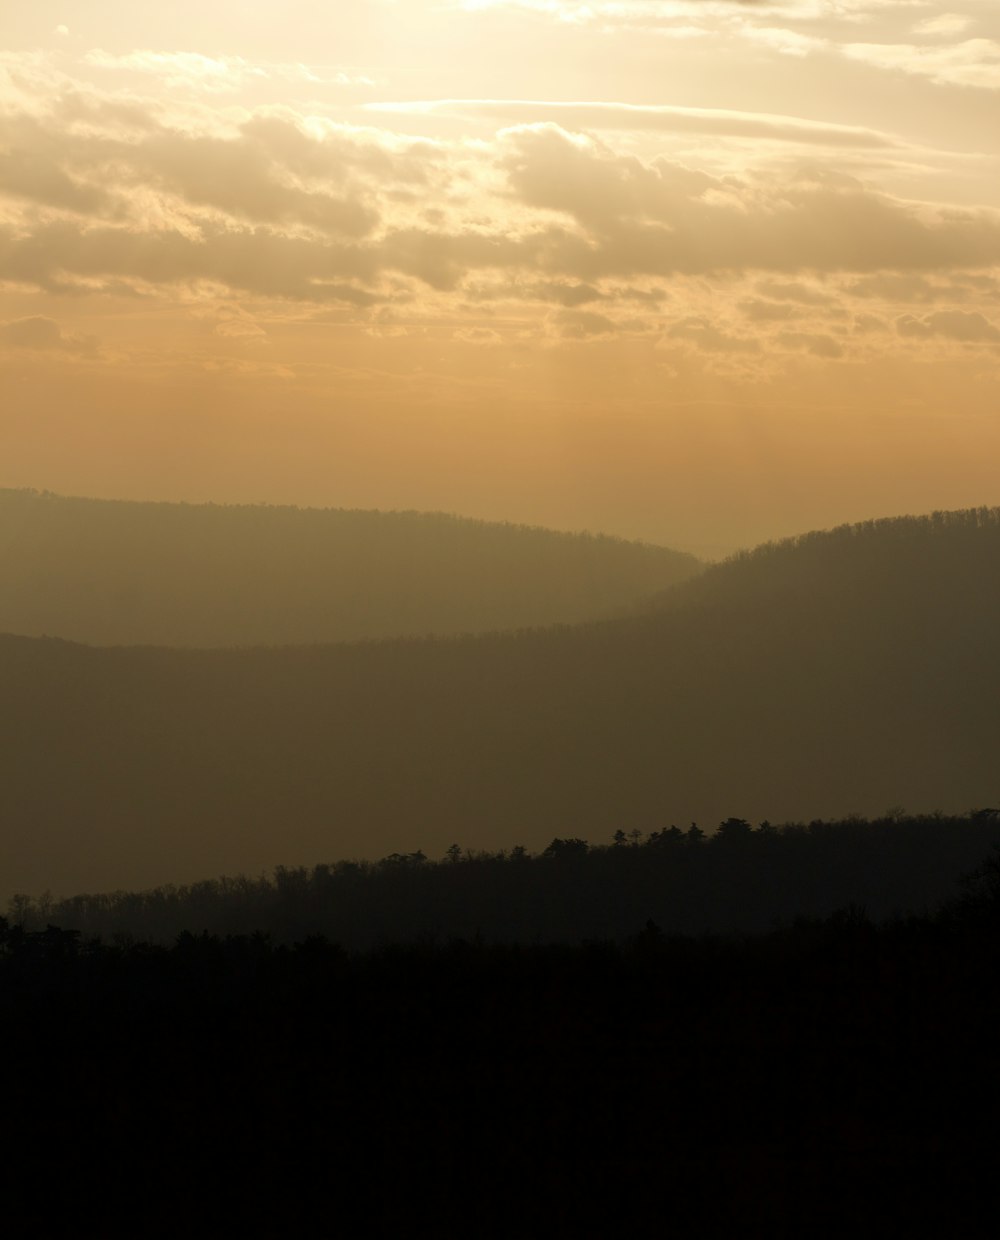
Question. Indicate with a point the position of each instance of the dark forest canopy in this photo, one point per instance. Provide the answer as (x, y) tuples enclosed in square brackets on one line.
[(738, 879), (111, 572), (844, 672), (833, 1070)]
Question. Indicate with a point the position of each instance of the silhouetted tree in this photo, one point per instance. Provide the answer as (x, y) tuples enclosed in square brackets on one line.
[(566, 848), (733, 830)]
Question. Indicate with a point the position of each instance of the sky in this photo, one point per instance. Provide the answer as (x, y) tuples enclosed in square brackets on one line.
[(702, 272)]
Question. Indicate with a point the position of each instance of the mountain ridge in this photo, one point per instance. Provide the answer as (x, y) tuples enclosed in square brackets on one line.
[(138, 766), (120, 572)]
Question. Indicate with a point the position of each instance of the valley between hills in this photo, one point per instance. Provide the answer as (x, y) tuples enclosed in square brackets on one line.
[(847, 671)]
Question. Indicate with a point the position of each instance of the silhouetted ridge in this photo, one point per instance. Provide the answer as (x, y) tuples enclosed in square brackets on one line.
[(738, 879), (122, 573)]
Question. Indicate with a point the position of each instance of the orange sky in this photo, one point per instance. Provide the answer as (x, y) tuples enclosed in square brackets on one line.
[(699, 271)]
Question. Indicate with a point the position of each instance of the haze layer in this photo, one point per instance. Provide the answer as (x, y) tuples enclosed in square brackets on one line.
[(850, 671)]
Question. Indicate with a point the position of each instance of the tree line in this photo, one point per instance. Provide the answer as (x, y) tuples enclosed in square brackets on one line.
[(738, 879)]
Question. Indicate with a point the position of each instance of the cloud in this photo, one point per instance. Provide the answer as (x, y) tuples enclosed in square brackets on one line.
[(242, 177), (706, 336), (191, 69), (196, 72), (663, 119), (969, 327), (258, 260), (560, 292), (240, 329), (768, 311), (564, 294), (37, 332), (482, 336), (892, 286), (794, 290), (110, 193), (975, 62), (945, 23), (583, 324), (817, 345), (104, 160), (659, 217), (785, 42), (31, 167), (655, 14), (908, 287), (276, 211)]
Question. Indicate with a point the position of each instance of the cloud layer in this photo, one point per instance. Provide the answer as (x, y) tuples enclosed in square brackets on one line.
[(642, 257), (108, 194)]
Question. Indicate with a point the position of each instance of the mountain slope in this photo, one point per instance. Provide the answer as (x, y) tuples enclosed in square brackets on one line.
[(118, 573), (857, 689)]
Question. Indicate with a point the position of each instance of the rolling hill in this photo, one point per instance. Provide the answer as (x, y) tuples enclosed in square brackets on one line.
[(120, 573), (848, 671)]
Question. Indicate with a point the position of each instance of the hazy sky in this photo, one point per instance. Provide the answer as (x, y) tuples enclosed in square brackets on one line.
[(699, 271)]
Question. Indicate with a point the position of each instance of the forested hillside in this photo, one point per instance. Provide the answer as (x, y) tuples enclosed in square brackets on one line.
[(929, 564), (738, 880), (118, 573), (869, 679)]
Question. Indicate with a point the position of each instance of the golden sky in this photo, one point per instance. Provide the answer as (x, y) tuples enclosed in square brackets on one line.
[(700, 271)]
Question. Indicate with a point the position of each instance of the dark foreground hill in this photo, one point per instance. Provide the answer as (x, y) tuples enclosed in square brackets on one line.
[(827, 1080), (119, 573), (863, 675)]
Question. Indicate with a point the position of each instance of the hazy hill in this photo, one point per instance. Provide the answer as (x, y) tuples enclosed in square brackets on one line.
[(113, 572), (927, 562), (850, 671)]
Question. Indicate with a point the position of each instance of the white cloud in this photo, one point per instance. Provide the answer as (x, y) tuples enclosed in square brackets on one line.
[(215, 74), (659, 118), (190, 69), (786, 42), (975, 62), (654, 13), (945, 23)]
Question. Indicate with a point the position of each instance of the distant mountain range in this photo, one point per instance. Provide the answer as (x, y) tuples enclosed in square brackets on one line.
[(120, 573), (845, 671)]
